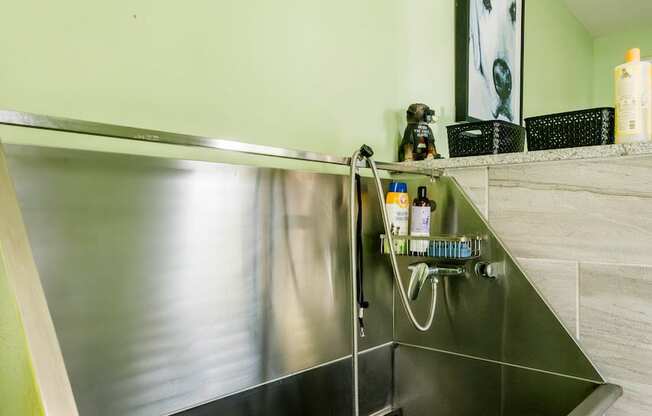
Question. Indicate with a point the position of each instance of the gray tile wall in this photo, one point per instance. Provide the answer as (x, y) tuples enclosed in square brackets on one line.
[(582, 231), (616, 329), (596, 211), (557, 282), (474, 182)]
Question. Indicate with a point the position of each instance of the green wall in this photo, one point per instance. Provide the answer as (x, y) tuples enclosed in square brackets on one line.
[(18, 394), (609, 52), (558, 60), (315, 75), (318, 75)]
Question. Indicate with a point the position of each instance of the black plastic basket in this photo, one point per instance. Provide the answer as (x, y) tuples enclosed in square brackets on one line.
[(573, 129), (485, 138)]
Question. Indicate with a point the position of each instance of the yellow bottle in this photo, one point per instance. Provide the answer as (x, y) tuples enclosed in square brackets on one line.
[(633, 88)]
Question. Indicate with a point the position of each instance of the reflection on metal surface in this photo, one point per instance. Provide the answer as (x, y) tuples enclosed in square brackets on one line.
[(68, 125), (501, 319), (429, 382), (470, 357), (172, 283), (323, 391)]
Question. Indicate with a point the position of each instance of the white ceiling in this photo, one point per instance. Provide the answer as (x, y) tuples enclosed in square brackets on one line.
[(603, 17)]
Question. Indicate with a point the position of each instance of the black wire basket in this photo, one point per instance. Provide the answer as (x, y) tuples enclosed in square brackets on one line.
[(485, 138), (572, 129)]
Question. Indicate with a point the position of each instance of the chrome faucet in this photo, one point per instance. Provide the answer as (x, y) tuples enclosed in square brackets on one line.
[(421, 272)]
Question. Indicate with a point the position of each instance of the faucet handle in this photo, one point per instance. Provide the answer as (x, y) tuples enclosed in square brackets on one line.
[(421, 272), (490, 270)]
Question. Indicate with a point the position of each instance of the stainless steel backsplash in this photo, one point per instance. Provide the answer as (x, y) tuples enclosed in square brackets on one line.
[(176, 283), (172, 283)]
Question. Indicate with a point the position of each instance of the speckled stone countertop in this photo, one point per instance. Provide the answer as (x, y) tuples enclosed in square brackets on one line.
[(573, 153)]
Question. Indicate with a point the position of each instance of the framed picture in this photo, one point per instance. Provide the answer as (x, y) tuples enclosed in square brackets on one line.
[(489, 60)]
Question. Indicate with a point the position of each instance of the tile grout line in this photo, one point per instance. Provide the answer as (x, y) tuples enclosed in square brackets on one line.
[(486, 193), (577, 300), (607, 263), (573, 261), (547, 259)]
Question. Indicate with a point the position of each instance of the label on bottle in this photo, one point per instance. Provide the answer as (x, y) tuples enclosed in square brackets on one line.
[(398, 219), (420, 221), (420, 227), (628, 102), (398, 212)]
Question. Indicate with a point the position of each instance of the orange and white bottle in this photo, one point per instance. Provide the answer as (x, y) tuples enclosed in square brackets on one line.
[(633, 94), (397, 202)]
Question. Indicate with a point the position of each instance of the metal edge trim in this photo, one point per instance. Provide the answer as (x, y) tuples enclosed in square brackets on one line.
[(472, 357), (538, 292), (599, 401), (383, 412), (69, 125)]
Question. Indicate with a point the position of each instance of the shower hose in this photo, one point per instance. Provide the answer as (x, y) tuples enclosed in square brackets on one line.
[(358, 304), (365, 153)]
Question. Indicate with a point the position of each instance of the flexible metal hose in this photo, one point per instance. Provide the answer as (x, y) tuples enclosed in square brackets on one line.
[(354, 285), (355, 158), (392, 255)]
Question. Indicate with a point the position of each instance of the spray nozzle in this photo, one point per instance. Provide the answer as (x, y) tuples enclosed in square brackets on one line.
[(366, 151)]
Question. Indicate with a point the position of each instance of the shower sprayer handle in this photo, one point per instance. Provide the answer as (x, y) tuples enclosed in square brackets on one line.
[(422, 272), (366, 151)]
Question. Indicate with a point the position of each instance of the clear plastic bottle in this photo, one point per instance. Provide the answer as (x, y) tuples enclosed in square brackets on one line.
[(633, 96)]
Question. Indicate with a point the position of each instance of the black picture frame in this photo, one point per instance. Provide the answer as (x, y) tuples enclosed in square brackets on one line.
[(462, 93)]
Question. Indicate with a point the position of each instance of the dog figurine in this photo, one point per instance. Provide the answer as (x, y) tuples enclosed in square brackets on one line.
[(418, 139), (493, 31)]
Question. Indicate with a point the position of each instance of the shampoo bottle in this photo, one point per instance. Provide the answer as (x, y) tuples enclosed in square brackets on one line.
[(420, 221), (398, 210), (633, 93)]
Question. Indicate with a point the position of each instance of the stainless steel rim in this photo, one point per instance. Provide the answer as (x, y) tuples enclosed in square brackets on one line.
[(68, 125)]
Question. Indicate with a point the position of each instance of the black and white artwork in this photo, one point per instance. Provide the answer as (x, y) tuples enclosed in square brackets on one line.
[(489, 62)]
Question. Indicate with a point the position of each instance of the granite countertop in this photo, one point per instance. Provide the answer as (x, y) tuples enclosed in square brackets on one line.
[(572, 153)]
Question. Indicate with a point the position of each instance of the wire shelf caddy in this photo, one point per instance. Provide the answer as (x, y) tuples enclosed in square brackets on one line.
[(440, 246)]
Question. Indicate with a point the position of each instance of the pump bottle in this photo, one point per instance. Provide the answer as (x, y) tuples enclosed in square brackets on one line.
[(633, 96)]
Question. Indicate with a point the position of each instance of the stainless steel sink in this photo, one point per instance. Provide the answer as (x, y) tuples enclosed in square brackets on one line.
[(181, 287)]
